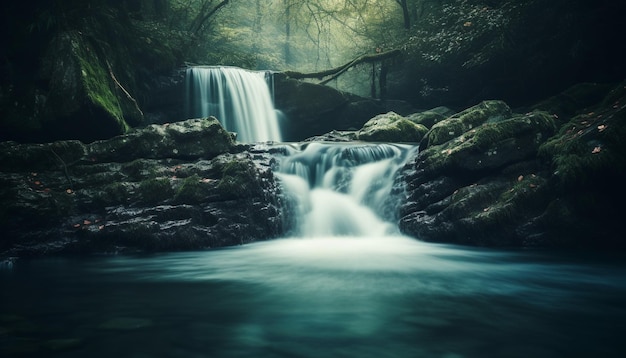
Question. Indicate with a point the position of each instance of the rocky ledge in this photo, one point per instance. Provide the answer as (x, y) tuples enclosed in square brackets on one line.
[(176, 186), (553, 176)]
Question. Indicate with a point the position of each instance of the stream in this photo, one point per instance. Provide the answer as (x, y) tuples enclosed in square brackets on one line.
[(314, 297)]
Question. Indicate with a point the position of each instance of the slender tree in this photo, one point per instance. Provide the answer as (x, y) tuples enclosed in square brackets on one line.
[(405, 13)]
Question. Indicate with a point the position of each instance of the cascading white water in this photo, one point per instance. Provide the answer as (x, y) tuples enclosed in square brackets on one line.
[(240, 99), (341, 189)]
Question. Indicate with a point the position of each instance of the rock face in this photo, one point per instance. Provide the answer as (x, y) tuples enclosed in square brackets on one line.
[(487, 176), (180, 186), (82, 97), (312, 109)]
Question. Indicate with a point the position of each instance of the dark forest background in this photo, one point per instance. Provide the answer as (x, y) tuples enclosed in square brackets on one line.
[(88, 69)]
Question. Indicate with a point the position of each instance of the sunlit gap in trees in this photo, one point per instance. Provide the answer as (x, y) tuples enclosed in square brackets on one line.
[(305, 35)]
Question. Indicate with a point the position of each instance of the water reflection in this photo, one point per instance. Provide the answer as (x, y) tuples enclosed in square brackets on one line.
[(347, 297)]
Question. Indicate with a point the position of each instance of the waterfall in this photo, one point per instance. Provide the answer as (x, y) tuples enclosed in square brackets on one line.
[(240, 99), (342, 189)]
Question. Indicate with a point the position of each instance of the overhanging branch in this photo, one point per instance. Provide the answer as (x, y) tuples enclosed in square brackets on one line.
[(333, 73)]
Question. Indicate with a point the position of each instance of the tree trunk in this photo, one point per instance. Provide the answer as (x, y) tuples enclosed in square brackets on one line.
[(373, 85), (382, 80), (405, 13), (287, 47)]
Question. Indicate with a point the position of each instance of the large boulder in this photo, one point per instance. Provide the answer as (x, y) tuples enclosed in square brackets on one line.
[(180, 186), (86, 100), (519, 180)]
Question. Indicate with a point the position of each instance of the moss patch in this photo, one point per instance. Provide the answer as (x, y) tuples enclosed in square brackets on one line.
[(155, 191), (448, 129), (591, 145), (192, 190), (239, 179), (491, 145), (391, 127)]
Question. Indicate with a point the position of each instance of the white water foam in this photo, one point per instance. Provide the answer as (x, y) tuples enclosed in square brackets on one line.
[(341, 190)]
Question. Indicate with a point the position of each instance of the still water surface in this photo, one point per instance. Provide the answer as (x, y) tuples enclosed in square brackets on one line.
[(317, 297)]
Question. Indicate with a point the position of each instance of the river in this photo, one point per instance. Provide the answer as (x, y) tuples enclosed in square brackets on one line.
[(317, 297)]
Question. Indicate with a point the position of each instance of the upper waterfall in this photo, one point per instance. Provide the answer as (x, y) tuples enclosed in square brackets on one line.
[(240, 99)]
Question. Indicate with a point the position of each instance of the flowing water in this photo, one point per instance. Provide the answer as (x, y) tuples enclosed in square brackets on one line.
[(240, 99), (343, 189), (317, 297), (346, 285)]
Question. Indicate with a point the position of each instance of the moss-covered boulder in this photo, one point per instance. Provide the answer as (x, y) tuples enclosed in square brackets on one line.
[(200, 137), (454, 126), (534, 179), (391, 127), (430, 117), (169, 187), (85, 99), (491, 145)]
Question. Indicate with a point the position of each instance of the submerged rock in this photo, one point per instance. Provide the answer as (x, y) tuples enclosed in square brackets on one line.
[(185, 185)]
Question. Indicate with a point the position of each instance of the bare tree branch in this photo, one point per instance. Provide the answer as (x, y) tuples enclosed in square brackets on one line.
[(338, 71)]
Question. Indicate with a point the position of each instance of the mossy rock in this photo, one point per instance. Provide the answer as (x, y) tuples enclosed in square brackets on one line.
[(80, 84), (155, 190), (458, 124), (431, 117), (391, 127), (192, 190), (115, 193), (574, 99), (591, 145), (239, 179), (37, 157), (193, 138), (491, 145)]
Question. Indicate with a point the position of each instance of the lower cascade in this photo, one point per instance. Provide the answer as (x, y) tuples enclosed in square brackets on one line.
[(342, 189), (240, 99)]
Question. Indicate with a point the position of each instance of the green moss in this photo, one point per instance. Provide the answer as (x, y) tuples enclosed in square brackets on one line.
[(429, 118), (154, 191), (238, 179), (97, 83), (588, 146), (486, 111), (444, 131), (192, 190), (472, 199), (464, 121), (115, 193), (139, 169), (490, 133), (398, 130)]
